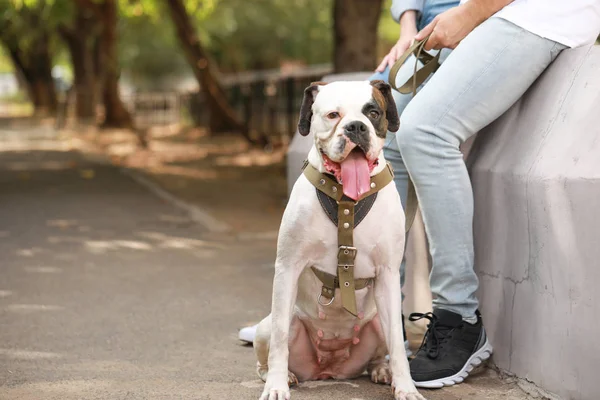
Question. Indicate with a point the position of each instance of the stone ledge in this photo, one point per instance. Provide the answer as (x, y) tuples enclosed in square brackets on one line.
[(536, 176)]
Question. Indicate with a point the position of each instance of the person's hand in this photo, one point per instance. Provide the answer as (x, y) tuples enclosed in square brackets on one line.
[(408, 30), (399, 48), (449, 28)]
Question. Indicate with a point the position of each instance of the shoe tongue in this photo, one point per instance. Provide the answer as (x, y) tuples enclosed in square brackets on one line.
[(356, 179), (447, 318)]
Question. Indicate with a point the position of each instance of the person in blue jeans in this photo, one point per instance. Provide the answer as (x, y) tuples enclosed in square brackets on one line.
[(500, 47), (413, 16)]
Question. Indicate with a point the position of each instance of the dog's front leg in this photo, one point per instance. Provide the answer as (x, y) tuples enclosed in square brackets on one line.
[(389, 307), (285, 289)]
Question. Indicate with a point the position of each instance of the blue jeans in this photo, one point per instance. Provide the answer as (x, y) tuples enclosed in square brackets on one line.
[(477, 82), (431, 10)]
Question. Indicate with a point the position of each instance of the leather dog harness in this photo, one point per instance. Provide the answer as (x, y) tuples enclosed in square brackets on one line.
[(349, 215)]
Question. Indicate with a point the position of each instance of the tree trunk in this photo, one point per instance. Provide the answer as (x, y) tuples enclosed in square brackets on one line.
[(43, 65), (80, 43), (222, 117), (97, 63), (35, 66), (85, 99), (355, 35), (116, 115)]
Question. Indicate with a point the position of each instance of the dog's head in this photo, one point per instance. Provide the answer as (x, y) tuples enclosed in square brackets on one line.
[(349, 121)]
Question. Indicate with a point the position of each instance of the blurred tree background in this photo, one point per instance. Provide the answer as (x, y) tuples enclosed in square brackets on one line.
[(103, 48)]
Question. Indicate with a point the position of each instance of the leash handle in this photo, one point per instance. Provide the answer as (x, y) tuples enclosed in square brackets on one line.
[(430, 65)]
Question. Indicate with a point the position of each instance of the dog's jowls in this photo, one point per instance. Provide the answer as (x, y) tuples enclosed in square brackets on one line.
[(301, 339)]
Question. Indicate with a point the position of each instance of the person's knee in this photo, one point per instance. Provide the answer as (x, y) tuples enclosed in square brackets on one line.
[(421, 133)]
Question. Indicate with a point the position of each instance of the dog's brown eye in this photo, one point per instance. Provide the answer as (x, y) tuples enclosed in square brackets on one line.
[(374, 114), (333, 115)]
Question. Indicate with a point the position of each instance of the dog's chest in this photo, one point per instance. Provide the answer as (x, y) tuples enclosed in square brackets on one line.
[(324, 247), (371, 241)]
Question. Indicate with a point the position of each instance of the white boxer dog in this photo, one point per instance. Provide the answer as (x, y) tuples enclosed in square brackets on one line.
[(307, 337)]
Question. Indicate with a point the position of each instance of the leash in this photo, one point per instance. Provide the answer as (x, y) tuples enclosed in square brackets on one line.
[(430, 65), (344, 279)]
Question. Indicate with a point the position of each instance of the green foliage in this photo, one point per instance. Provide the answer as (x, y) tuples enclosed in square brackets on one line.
[(239, 34), (25, 21), (29, 18), (389, 30), (263, 33), (5, 63), (149, 52)]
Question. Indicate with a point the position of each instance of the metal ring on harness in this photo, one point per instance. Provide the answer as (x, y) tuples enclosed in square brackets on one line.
[(324, 305)]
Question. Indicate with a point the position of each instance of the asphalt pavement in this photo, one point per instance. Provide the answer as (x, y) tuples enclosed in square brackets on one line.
[(109, 292)]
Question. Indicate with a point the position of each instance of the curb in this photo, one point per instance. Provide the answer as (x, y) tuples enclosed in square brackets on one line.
[(197, 214), (95, 153)]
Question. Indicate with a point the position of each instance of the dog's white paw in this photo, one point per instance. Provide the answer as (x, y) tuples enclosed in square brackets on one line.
[(408, 396), (276, 386), (406, 391), (263, 373), (381, 373), (275, 392)]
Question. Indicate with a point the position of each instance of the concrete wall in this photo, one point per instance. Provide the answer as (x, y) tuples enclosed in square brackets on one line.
[(536, 179)]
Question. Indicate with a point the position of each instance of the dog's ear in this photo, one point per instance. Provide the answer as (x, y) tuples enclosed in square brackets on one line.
[(391, 113), (306, 109)]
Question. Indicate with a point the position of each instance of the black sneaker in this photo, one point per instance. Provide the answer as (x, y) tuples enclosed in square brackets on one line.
[(450, 350)]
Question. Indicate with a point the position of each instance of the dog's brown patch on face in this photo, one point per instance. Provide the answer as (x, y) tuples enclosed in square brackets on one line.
[(380, 88), (378, 97), (375, 111)]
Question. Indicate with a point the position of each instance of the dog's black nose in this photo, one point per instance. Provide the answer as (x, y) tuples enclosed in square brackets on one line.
[(358, 133), (356, 127)]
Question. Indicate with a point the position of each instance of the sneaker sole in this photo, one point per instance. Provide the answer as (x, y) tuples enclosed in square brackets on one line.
[(247, 338), (475, 360)]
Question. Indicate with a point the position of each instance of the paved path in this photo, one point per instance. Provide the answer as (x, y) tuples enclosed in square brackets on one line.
[(107, 292)]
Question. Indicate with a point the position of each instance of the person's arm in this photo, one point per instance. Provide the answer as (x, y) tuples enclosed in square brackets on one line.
[(399, 7), (450, 27), (408, 30)]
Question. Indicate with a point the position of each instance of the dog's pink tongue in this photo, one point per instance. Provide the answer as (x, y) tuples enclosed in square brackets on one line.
[(355, 175)]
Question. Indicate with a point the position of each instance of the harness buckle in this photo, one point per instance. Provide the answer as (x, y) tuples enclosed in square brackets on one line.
[(347, 252)]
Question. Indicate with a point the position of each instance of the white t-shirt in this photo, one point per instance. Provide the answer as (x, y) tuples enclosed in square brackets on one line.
[(573, 23)]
